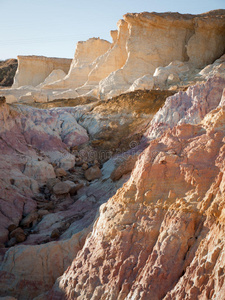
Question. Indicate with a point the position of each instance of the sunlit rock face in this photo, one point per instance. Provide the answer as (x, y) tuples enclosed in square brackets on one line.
[(32, 70), (157, 39), (164, 227), (84, 61), (105, 197), (160, 50)]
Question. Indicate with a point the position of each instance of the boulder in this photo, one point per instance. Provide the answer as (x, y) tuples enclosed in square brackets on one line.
[(93, 173), (61, 188), (73, 187), (146, 82), (18, 234), (39, 170), (30, 220), (60, 172)]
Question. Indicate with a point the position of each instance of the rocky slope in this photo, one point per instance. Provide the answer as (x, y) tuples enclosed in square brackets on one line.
[(164, 227), (51, 183), (123, 197)]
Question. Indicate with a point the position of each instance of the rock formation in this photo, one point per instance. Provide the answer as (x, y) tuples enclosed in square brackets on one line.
[(32, 70), (164, 227), (187, 44), (118, 197)]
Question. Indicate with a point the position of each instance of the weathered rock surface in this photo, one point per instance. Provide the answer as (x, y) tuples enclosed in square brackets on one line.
[(164, 227), (187, 44), (32, 70), (158, 39), (159, 232), (187, 107), (37, 267), (31, 140), (93, 173)]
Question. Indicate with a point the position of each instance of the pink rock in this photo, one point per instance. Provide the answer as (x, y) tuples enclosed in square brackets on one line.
[(187, 107)]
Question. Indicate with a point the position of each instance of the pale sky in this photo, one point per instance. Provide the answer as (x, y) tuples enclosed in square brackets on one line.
[(53, 27)]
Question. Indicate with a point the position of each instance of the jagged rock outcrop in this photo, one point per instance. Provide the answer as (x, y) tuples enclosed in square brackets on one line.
[(137, 58), (164, 227), (67, 194), (158, 39), (31, 142), (84, 61), (187, 107), (32, 70)]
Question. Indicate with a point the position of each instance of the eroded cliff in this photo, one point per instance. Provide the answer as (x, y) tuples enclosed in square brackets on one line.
[(122, 197), (149, 50)]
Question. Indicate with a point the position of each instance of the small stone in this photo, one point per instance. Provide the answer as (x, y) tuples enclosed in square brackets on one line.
[(20, 237), (61, 188), (51, 183), (96, 162), (12, 227), (11, 242), (43, 212), (46, 206), (93, 173), (79, 162), (60, 172), (85, 166), (16, 231), (29, 220), (55, 234)]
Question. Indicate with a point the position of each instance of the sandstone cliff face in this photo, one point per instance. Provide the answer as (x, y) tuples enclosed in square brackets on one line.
[(158, 39), (163, 227), (158, 49), (67, 194), (84, 61), (32, 70)]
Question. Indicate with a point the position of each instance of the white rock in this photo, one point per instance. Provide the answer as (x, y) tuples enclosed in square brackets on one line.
[(41, 171), (32, 70), (146, 82)]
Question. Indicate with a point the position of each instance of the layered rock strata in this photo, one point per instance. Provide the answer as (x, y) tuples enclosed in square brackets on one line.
[(67, 196), (32, 70), (164, 227), (149, 49)]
